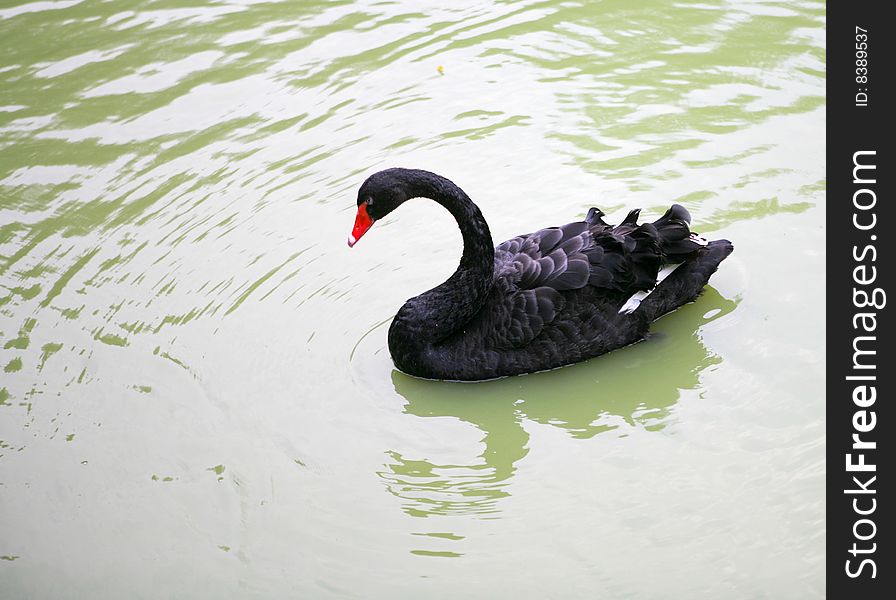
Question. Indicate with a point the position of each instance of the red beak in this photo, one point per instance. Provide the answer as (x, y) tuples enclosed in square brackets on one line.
[(363, 222)]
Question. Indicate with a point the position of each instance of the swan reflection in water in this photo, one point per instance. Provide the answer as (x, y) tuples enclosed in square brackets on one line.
[(635, 387)]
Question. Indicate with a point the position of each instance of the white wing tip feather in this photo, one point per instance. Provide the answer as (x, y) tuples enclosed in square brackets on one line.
[(635, 301)]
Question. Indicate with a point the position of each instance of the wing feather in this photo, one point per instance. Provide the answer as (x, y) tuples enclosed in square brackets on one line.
[(534, 271)]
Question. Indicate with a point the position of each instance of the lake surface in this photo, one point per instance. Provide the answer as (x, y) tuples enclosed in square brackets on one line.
[(196, 398)]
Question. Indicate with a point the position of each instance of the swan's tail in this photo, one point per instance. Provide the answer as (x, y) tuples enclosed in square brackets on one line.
[(686, 282)]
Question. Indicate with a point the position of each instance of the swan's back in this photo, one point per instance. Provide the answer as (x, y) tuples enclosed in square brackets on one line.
[(564, 294)]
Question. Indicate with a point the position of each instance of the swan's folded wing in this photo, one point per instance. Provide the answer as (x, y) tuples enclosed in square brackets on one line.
[(622, 259), (625, 260), (535, 272), (531, 271), (515, 319), (551, 257)]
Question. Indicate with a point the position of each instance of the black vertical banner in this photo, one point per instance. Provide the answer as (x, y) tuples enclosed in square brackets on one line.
[(861, 224)]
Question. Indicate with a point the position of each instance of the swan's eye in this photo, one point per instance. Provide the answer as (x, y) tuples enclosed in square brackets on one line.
[(369, 201)]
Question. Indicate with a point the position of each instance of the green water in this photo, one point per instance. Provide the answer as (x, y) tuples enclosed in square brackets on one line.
[(196, 399)]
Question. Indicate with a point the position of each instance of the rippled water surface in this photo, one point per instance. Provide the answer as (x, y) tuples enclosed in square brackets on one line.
[(196, 398)]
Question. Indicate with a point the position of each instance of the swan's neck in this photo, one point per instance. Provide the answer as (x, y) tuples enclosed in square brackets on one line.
[(436, 314)]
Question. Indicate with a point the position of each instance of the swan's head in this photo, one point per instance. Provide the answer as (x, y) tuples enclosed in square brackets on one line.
[(379, 195)]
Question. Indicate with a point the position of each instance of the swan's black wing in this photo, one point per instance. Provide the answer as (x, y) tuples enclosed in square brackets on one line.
[(535, 273)]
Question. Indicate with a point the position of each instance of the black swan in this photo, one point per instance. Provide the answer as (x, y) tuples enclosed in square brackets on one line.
[(542, 300)]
